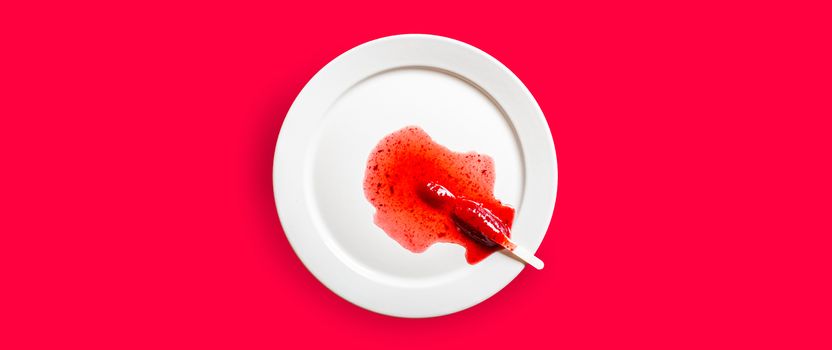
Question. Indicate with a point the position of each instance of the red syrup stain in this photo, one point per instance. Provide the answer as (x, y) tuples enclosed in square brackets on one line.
[(399, 168)]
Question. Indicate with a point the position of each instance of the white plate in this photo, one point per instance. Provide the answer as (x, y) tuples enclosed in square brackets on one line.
[(464, 99)]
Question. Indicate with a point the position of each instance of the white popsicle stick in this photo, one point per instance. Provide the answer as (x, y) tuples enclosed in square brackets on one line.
[(527, 256)]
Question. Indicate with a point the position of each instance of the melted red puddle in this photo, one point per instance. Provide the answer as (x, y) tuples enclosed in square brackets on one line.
[(401, 164)]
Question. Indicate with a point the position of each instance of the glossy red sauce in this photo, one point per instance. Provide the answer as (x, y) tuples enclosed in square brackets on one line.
[(401, 164)]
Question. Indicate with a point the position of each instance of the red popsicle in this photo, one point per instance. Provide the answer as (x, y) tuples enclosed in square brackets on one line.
[(474, 220)]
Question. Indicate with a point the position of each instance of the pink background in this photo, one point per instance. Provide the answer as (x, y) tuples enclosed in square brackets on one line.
[(693, 144)]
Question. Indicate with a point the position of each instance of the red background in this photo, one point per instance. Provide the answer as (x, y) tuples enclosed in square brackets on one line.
[(693, 144)]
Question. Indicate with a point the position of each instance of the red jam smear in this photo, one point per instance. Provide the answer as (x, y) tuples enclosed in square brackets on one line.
[(400, 166)]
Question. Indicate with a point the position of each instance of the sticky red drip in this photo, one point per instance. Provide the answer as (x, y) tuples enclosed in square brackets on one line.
[(401, 164)]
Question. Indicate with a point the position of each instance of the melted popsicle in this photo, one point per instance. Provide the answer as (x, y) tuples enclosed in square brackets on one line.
[(398, 169)]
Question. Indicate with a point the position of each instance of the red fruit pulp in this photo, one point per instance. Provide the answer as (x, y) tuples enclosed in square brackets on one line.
[(470, 217), (480, 224), (397, 171)]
